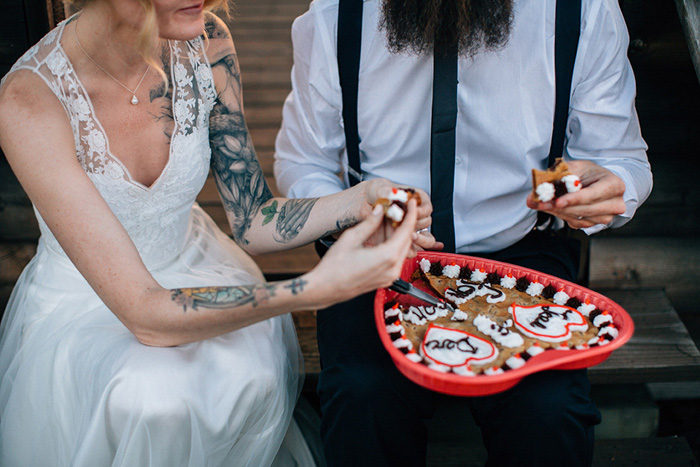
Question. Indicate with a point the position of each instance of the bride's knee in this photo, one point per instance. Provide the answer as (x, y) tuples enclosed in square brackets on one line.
[(145, 398)]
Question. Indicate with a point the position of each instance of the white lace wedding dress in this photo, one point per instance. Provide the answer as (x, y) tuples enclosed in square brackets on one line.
[(76, 387)]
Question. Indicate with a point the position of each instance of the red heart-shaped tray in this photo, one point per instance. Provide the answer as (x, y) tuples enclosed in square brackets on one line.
[(481, 385)]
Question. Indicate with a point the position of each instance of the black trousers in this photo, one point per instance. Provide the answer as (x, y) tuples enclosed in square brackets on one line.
[(372, 415)]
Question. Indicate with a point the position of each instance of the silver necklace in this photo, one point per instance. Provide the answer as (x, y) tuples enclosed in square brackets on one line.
[(134, 99)]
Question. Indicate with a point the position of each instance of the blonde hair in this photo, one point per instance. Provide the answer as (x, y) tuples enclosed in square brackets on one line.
[(149, 29)]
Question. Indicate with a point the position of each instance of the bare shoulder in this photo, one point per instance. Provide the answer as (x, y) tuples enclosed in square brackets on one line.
[(28, 108), (218, 38)]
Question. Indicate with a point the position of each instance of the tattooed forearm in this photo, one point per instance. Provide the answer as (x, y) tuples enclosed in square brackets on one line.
[(219, 298), (296, 286), (223, 297), (342, 224), (291, 217), (237, 171)]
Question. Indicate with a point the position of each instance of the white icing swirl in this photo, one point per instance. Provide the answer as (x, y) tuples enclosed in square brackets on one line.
[(391, 313), (424, 265), (493, 371), (395, 213), (478, 276), (545, 191), (602, 318), (414, 357), (398, 195), (561, 297), (586, 308), (535, 350), (394, 328), (403, 343), (451, 271), (459, 315), (535, 288), (572, 182), (609, 331), (515, 362), (508, 282)]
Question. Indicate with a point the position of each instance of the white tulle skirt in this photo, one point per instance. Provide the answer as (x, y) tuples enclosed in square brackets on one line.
[(78, 389)]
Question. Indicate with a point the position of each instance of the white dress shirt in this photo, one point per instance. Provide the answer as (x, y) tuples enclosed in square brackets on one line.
[(504, 123)]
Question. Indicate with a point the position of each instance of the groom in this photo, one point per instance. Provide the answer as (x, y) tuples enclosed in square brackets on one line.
[(371, 414)]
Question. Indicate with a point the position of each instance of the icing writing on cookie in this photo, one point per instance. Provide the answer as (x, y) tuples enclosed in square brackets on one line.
[(550, 323), (501, 334), (467, 290), (422, 314), (453, 348)]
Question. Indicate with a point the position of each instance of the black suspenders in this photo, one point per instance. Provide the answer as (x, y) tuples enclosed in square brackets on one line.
[(567, 29)]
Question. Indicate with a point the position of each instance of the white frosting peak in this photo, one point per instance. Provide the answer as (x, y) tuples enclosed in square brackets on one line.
[(545, 191), (572, 182), (398, 195), (424, 265), (451, 271)]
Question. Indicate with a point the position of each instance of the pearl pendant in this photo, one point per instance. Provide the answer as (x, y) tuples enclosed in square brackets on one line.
[(134, 100)]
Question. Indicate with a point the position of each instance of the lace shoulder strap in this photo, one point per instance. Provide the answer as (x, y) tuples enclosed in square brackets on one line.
[(193, 85)]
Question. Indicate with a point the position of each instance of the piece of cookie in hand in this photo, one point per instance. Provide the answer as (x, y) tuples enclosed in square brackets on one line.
[(556, 181), (396, 203)]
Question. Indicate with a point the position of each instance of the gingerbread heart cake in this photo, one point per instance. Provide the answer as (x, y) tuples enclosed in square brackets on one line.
[(494, 324)]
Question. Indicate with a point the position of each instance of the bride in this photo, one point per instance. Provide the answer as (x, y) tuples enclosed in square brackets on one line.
[(140, 334)]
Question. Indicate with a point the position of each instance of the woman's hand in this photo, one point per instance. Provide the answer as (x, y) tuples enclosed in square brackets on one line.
[(352, 267), (598, 202)]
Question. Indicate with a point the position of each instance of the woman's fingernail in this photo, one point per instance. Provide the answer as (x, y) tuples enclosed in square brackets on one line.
[(377, 210)]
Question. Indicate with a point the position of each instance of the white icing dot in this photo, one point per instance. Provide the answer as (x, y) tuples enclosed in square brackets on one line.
[(560, 297), (395, 213), (572, 182), (424, 265), (459, 315), (478, 276), (451, 271), (545, 191), (535, 288), (414, 357), (403, 343), (608, 330), (515, 362), (392, 328), (602, 318), (508, 282), (398, 195), (586, 309)]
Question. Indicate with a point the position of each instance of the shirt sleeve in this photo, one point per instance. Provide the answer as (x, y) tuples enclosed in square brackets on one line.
[(309, 149), (603, 126)]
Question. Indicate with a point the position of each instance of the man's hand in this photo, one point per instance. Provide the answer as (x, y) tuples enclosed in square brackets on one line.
[(598, 202)]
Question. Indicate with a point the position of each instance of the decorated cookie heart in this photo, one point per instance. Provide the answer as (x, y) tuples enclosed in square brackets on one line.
[(455, 348), (550, 323)]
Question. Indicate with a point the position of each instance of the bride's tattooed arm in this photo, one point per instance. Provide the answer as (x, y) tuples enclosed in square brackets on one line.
[(239, 177), (231, 297), (260, 222)]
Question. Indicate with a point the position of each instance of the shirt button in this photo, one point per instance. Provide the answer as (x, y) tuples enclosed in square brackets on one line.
[(458, 161)]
